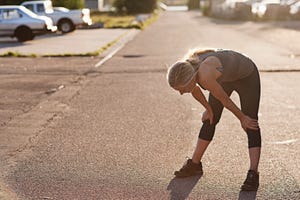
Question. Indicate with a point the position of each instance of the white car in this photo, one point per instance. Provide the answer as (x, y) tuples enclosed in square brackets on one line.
[(295, 10), (66, 20), (19, 22), (236, 9), (270, 9)]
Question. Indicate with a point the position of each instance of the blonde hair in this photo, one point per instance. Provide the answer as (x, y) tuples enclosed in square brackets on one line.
[(180, 73), (194, 56)]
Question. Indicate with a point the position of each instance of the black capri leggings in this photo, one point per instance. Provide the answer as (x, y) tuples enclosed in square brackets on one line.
[(248, 90)]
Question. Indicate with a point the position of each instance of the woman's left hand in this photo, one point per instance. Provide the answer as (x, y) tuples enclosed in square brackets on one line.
[(208, 115), (249, 123)]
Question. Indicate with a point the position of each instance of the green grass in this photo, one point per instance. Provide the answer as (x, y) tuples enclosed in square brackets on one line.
[(112, 20), (17, 54)]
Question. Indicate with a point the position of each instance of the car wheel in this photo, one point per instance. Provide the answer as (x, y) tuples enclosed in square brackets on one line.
[(66, 26), (24, 34)]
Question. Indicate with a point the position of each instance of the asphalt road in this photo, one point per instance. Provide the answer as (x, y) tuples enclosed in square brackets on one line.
[(119, 132)]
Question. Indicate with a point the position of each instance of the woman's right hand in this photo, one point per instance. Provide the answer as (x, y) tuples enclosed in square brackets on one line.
[(249, 123), (208, 115)]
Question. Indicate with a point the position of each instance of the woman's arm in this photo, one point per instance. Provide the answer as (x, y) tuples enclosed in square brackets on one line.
[(217, 91), (199, 96)]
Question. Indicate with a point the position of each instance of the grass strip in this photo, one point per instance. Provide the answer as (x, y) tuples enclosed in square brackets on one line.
[(111, 20)]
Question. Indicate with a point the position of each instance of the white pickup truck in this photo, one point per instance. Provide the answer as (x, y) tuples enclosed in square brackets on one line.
[(66, 20)]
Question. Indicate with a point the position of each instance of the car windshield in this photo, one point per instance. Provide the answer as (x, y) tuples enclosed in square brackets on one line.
[(27, 11)]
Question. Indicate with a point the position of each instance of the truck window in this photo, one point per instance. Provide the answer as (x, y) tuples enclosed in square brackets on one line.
[(40, 8), (30, 7)]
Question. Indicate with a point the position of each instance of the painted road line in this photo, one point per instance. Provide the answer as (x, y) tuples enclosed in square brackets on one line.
[(120, 44)]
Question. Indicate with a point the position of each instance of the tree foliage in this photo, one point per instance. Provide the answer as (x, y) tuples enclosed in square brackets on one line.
[(71, 4), (11, 2), (193, 4), (135, 6)]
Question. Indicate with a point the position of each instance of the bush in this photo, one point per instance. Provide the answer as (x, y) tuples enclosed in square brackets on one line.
[(119, 5), (11, 2), (71, 4), (135, 6), (193, 4)]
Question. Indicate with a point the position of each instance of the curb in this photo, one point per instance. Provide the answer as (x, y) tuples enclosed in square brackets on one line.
[(121, 42)]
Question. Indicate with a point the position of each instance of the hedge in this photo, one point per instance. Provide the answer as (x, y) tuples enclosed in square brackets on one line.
[(193, 4), (135, 6), (71, 4)]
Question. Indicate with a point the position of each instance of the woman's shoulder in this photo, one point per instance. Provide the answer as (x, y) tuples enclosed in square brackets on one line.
[(207, 69), (211, 61)]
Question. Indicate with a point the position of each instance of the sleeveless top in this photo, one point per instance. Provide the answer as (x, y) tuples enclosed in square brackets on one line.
[(235, 66)]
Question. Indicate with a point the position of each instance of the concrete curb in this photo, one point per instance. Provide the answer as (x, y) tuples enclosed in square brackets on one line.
[(118, 46)]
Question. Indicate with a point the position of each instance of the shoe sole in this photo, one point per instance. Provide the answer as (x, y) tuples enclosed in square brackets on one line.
[(249, 189), (190, 175)]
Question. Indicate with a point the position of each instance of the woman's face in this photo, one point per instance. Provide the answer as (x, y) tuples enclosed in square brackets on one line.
[(188, 88)]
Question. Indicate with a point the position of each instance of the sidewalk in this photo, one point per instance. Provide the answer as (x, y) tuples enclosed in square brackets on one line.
[(78, 42)]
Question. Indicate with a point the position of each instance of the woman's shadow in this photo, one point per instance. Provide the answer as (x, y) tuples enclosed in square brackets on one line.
[(180, 188), (244, 195)]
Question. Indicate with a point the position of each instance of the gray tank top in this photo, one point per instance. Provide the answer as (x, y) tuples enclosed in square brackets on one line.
[(235, 66)]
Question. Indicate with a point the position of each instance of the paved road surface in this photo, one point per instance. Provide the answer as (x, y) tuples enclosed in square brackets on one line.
[(125, 131)]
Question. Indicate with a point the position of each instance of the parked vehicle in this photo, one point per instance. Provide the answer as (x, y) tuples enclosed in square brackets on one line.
[(271, 10), (240, 9), (232, 9), (66, 20), (61, 9), (19, 22), (295, 10)]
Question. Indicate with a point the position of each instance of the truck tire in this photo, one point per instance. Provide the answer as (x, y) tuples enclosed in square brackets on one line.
[(23, 34), (66, 26)]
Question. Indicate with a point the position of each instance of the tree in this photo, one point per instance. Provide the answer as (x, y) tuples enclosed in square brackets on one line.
[(11, 2), (135, 6), (71, 4), (193, 4)]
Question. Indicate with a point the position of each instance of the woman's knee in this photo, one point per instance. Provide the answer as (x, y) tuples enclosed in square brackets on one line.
[(254, 138), (207, 130)]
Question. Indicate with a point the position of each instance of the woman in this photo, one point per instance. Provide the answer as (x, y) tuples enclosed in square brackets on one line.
[(221, 72)]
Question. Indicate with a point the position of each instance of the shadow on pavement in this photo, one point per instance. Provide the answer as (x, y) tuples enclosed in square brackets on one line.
[(10, 43), (247, 195), (180, 188)]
